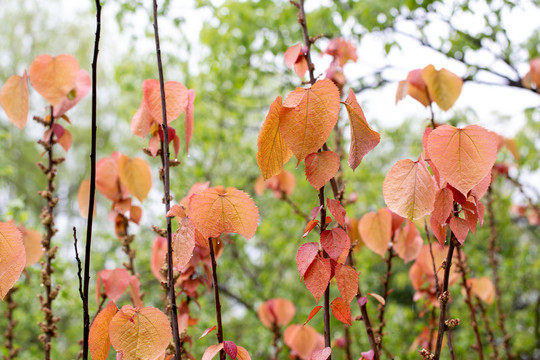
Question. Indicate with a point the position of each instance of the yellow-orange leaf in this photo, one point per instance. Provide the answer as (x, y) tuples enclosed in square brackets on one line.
[(321, 167), (443, 86), (483, 288), (363, 137), (12, 256), (218, 210), (212, 351), (99, 343), (32, 245), (14, 99), (302, 339), (184, 242), (273, 152), (176, 99), (463, 157), (409, 189), (375, 228), (306, 127), (140, 333), (407, 242), (242, 353), (135, 176), (54, 77), (83, 197)]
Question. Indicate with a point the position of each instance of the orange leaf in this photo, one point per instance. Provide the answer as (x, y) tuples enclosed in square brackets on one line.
[(337, 210), (12, 256), (301, 339), (443, 206), (176, 99), (407, 242), (83, 197), (535, 72), (417, 88), (363, 137), (438, 230), (207, 331), (54, 77), (463, 157), (292, 54), (218, 210), (378, 297), (273, 152), (65, 140), (321, 167), (135, 176), (188, 119), (375, 228), (107, 181), (212, 351), (313, 312), (483, 288), (14, 99), (184, 242), (310, 226), (347, 282), (305, 256), (317, 277), (276, 311), (409, 189), (242, 354), (140, 333), (306, 127), (135, 214), (32, 245), (141, 122), (443, 86), (334, 242), (83, 83), (341, 310), (342, 50), (99, 343)]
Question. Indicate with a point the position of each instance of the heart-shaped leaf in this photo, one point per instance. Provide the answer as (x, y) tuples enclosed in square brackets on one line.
[(14, 99), (12, 256), (54, 77)]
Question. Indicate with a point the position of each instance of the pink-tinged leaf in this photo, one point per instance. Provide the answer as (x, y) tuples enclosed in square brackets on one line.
[(321, 354), (313, 312), (317, 277), (140, 333), (302, 339), (321, 167), (273, 153), (368, 355), (184, 242), (444, 204), (464, 157), (363, 137), (107, 181), (276, 311), (99, 343), (218, 210), (135, 214), (402, 90), (417, 88), (409, 189), (347, 282), (310, 226), (375, 228), (408, 242), (294, 98), (444, 87), (306, 127), (460, 228), (242, 354), (305, 256), (53, 77), (212, 351), (337, 210), (83, 198), (65, 140), (230, 348), (396, 220), (362, 300), (316, 211), (12, 256), (334, 242), (341, 310), (135, 291), (438, 230), (141, 121), (115, 282), (176, 145), (14, 99), (159, 251), (177, 211), (342, 51), (378, 297), (135, 175), (83, 83), (472, 218), (188, 120), (292, 54), (208, 331), (176, 99), (154, 144), (480, 190)]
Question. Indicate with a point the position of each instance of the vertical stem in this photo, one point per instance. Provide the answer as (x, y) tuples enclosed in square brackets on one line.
[(463, 269), (386, 292), (9, 334), (327, 337), (444, 297), (348, 354), (437, 289), (87, 253), (166, 185), (216, 298), (275, 341), (489, 330)]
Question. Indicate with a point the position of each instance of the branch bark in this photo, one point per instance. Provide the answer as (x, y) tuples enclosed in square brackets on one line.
[(216, 298)]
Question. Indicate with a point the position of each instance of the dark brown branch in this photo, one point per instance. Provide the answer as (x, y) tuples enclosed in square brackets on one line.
[(276, 341), (87, 254), (166, 185), (462, 268), (489, 330), (79, 265), (386, 293), (348, 354), (428, 235), (9, 334), (216, 298)]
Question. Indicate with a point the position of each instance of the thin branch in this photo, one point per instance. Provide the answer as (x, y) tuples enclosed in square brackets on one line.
[(249, 307), (216, 298), (275, 341), (348, 354), (428, 235), (166, 185), (87, 254), (9, 334), (386, 293), (294, 206), (487, 327), (79, 265)]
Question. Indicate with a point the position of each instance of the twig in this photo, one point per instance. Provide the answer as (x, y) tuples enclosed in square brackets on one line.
[(249, 307), (489, 330), (166, 185), (294, 206), (79, 265), (462, 267), (216, 298), (386, 293), (348, 354), (87, 254), (275, 341), (428, 235), (9, 334)]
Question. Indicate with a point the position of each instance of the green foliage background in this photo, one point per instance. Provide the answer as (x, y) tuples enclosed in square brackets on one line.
[(236, 69)]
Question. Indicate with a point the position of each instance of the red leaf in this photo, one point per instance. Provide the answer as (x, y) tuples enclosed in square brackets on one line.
[(334, 242), (438, 230), (310, 226), (460, 228), (317, 277), (305, 256), (230, 349), (292, 54), (347, 282), (341, 310), (321, 167), (337, 210), (115, 282), (313, 313), (208, 331)]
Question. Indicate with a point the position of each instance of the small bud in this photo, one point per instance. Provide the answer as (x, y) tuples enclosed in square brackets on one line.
[(443, 299), (451, 323), (426, 355)]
